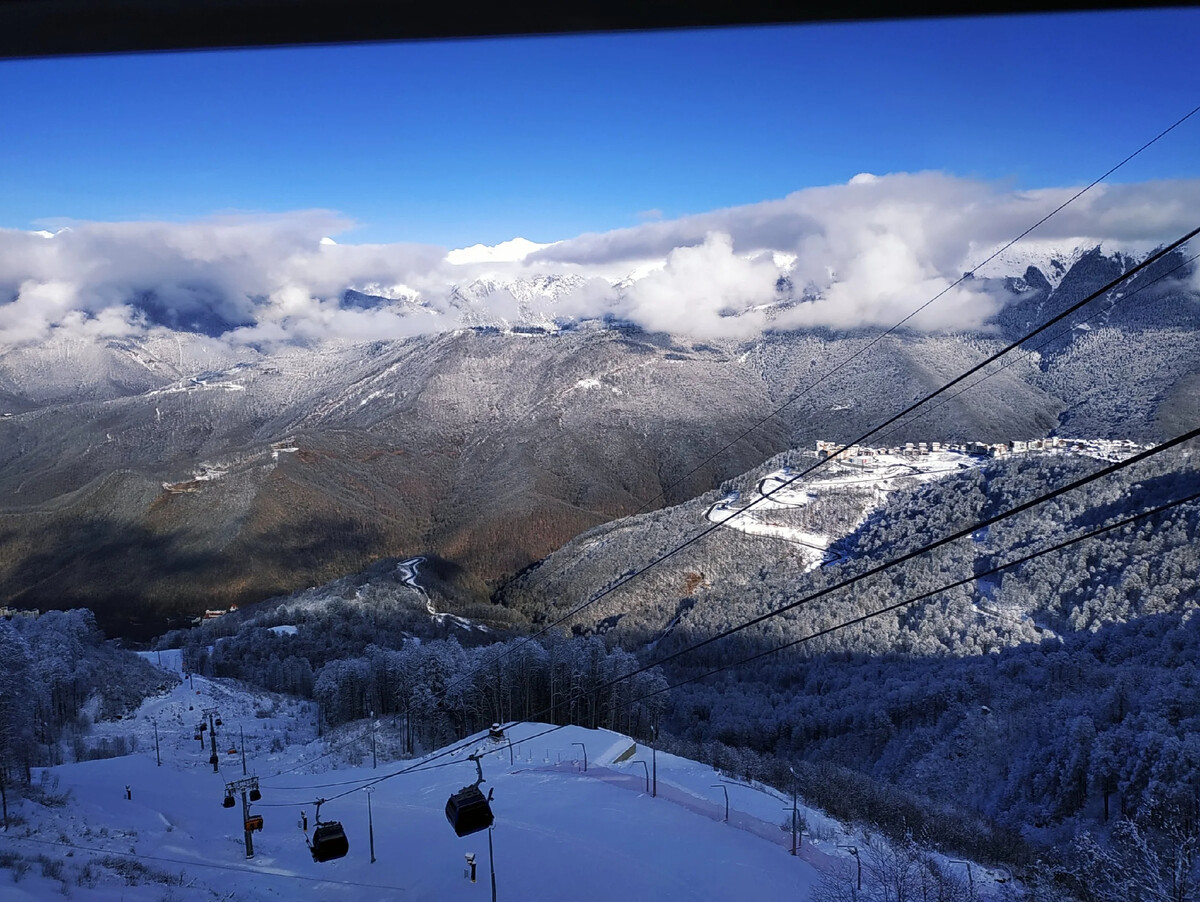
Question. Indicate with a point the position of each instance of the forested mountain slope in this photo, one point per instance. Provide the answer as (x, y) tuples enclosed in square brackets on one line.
[(152, 477)]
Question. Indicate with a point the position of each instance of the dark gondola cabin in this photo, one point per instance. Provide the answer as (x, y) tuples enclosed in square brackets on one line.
[(468, 811), (329, 842)]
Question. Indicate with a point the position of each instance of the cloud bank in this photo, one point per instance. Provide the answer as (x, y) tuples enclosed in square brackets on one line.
[(865, 253)]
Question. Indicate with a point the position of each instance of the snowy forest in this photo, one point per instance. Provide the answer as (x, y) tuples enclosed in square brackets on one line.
[(1043, 718)]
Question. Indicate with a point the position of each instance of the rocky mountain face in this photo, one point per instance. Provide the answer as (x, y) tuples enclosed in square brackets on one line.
[(155, 477)]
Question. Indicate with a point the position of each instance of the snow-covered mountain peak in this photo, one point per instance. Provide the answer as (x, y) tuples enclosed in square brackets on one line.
[(512, 251)]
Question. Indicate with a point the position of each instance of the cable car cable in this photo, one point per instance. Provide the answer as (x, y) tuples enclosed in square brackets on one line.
[(425, 764), (927, 595), (966, 275), (945, 540), (1028, 353), (201, 864), (629, 577), (887, 565)]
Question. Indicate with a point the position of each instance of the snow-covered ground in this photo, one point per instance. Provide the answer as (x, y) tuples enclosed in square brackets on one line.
[(868, 479), (130, 830)]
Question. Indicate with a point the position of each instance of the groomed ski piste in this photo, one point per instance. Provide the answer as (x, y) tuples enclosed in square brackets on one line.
[(864, 478), (124, 829), (778, 497)]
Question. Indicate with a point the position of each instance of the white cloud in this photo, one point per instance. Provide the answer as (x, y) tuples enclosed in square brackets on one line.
[(704, 291), (870, 251)]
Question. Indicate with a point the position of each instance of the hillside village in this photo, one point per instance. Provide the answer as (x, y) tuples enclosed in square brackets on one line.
[(1104, 449)]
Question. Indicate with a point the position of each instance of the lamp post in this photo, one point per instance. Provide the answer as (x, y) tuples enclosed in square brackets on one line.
[(724, 789), (582, 746), (157, 756), (795, 811), (370, 821), (654, 756)]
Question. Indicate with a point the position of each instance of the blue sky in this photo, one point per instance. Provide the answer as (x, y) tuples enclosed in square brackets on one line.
[(454, 143)]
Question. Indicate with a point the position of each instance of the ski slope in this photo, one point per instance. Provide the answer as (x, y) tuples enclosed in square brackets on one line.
[(574, 819), (560, 833), (776, 505)]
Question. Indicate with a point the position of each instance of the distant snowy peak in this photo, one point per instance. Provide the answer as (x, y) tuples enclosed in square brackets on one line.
[(513, 251), (1053, 259), (526, 290)]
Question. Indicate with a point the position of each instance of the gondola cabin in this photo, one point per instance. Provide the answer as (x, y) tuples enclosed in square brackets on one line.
[(468, 811), (329, 842)]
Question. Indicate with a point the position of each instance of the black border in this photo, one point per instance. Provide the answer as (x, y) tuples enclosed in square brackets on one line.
[(36, 28)]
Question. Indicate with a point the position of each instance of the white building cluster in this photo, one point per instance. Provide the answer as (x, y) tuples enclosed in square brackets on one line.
[(1107, 449)]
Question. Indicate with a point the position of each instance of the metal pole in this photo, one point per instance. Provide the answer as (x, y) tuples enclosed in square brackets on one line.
[(582, 746), (242, 733), (212, 735), (724, 789), (157, 755), (374, 762), (492, 863), (794, 812), (246, 824), (654, 756), (370, 822)]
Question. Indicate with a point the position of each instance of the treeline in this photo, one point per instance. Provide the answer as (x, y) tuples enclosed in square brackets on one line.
[(355, 658), (52, 668)]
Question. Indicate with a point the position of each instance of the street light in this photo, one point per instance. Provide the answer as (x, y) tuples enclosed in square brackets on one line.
[(370, 821), (795, 810), (374, 763), (724, 789)]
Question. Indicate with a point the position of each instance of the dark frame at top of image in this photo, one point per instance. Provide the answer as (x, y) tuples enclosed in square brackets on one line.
[(34, 28)]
